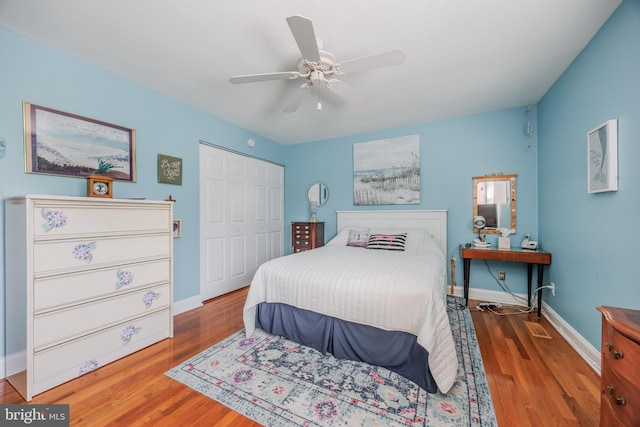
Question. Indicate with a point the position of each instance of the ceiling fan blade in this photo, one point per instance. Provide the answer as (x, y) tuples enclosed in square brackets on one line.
[(347, 92), (297, 99), (302, 30), (250, 78), (379, 60)]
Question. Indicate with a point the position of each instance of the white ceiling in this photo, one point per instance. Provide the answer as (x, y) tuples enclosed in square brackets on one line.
[(463, 56)]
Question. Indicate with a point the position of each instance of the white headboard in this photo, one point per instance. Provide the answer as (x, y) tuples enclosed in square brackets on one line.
[(434, 221)]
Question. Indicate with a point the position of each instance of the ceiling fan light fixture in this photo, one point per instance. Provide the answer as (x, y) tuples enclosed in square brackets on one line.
[(318, 67)]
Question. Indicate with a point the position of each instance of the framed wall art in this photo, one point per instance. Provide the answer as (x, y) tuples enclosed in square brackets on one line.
[(59, 143), (169, 169), (387, 171), (177, 227), (602, 158)]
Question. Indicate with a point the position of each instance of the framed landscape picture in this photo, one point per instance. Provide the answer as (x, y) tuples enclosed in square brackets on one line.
[(59, 143), (387, 171)]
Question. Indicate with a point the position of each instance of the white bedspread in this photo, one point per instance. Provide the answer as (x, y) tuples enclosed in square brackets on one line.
[(390, 290)]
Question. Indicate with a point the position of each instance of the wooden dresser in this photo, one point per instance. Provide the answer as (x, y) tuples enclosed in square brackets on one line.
[(88, 281), (620, 401), (306, 236)]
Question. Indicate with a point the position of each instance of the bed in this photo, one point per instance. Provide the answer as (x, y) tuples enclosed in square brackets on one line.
[(381, 306)]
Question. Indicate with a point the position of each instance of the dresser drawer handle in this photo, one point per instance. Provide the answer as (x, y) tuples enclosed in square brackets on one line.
[(618, 354), (125, 278), (82, 251), (149, 297), (128, 333), (54, 219), (619, 400)]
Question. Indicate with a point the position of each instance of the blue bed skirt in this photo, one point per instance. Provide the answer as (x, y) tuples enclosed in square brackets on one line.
[(397, 351)]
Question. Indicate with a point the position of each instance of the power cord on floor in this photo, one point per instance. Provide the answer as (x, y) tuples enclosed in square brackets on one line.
[(517, 309)]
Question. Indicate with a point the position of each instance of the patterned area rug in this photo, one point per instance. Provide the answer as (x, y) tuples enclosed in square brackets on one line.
[(277, 382)]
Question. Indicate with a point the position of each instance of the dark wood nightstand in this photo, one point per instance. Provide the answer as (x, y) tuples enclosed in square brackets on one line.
[(306, 236)]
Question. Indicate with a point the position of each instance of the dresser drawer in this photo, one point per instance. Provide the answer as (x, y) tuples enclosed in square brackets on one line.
[(622, 355), (302, 244), (302, 228), (302, 237), (50, 219), (56, 326), (620, 398), (58, 256), (62, 363), (60, 290), (303, 234)]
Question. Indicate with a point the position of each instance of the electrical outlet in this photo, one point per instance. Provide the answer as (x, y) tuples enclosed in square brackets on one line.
[(552, 286), (502, 275)]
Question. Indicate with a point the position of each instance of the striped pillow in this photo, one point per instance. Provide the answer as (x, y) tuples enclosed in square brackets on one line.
[(389, 242)]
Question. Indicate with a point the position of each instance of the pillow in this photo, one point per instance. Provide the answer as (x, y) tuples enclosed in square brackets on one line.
[(342, 237), (358, 238), (389, 242), (419, 241)]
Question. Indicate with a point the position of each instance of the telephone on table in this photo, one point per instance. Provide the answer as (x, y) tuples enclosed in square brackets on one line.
[(528, 244)]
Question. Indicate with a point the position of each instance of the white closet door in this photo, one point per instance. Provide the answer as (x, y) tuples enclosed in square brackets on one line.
[(241, 218)]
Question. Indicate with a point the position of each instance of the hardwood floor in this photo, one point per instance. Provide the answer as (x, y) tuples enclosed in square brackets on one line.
[(534, 381)]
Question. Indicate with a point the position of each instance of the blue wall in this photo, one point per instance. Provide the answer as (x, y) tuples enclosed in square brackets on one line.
[(591, 236), (34, 73), (451, 153)]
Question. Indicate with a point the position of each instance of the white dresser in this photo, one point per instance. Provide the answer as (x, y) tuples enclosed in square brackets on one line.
[(88, 281)]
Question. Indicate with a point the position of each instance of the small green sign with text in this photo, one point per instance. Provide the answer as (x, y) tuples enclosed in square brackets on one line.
[(169, 169)]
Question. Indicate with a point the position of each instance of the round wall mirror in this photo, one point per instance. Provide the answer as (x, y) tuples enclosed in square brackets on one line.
[(318, 194)]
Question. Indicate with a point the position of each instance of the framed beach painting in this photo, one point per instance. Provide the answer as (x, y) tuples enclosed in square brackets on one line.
[(387, 171), (602, 158), (59, 143)]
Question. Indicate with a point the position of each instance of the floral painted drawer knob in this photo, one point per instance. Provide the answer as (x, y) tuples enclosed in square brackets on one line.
[(128, 333), (149, 297), (82, 252), (54, 219), (124, 278)]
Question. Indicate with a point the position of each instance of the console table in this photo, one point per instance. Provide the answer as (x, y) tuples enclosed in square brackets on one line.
[(529, 257)]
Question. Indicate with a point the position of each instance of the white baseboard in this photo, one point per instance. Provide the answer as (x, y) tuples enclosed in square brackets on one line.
[(186, 304), (13, 363), (589, 353)]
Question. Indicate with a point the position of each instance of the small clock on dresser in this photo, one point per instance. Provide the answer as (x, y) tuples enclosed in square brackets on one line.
[(99, 186)]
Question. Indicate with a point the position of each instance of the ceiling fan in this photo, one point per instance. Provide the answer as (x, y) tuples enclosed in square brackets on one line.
[(319, 67)]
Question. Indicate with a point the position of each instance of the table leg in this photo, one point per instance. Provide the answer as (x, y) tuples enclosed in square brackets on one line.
[(466, 263), (540, 272), (529, 276)]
